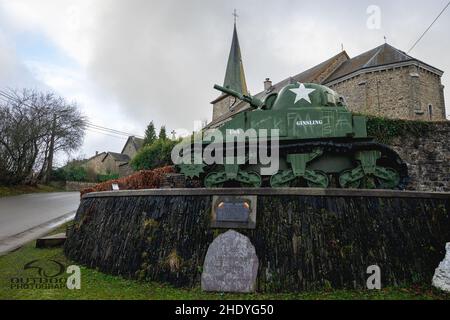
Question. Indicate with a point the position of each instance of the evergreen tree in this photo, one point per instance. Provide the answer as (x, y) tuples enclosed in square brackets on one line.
[(162, 133), (150, 134)]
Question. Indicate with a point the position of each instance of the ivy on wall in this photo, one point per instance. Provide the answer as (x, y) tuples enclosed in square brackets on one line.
[(385, 130)]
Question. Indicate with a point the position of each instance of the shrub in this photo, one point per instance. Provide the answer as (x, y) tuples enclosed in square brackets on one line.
[(106, 177), (145, 179), (385, 130), (154, 156), (74, 173)]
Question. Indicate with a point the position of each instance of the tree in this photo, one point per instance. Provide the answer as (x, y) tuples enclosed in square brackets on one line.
[(150, 134), (34, 127), (162, 133)]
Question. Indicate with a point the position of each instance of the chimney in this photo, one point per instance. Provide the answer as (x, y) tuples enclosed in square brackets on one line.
[(267, 84), (96, 153)]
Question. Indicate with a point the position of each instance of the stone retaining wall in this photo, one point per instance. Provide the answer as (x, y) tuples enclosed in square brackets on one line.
[(305, 239)]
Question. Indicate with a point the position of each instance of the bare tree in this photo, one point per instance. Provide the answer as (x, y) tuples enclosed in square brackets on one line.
[(34, 127)]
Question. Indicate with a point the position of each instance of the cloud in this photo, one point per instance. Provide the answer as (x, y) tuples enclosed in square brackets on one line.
[(13, 72)]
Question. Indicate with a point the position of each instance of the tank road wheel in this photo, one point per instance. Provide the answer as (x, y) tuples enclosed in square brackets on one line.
[(191, 170), (244, 178), (386, 178), (382, 178), (215, 180), (351, 178), (249, 178), (316, 179), (282, 179)]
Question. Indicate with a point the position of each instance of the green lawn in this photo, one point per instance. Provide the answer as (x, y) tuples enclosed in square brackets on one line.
[(6, 191), (97, 285)]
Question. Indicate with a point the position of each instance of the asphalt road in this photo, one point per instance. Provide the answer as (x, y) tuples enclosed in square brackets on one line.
[(19, 214)]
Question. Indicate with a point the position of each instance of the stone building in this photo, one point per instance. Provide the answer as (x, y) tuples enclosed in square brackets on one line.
[(113, 162), (383, 81), (94, 164)]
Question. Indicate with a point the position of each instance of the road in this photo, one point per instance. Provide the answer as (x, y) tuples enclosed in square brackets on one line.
[(26, 217)]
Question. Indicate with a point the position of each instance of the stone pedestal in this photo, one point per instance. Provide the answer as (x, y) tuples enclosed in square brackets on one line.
[(231, 264), (441, 278)]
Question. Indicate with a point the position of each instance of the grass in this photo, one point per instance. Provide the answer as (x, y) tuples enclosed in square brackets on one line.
[(6, 191), (97, 285)]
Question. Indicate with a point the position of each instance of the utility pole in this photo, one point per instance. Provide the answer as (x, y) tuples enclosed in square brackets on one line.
[(51, 150)]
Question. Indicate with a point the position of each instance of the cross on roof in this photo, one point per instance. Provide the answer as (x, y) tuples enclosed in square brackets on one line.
[(235, 15), (173, 134)]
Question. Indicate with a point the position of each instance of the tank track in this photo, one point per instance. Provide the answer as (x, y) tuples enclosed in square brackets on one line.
[(338, 147)]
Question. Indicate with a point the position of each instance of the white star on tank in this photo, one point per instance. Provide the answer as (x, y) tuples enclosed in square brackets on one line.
[(302, 93)]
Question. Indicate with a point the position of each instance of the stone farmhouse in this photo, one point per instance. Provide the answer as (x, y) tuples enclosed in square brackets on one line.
[(115, 163), (383, 81)]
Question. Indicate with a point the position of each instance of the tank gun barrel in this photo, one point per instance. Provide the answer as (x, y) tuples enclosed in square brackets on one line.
[(253, 101)]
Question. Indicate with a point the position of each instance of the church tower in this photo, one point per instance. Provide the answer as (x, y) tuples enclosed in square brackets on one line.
[(234, 78)]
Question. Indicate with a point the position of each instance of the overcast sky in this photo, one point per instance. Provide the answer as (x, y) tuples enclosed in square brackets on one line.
[(129, 62)]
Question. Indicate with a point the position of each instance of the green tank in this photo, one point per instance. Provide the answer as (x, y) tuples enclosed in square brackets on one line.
[(321, 144)]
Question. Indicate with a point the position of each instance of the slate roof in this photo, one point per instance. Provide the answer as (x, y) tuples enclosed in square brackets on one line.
[(379, 56), (97, 155), (118, 156)]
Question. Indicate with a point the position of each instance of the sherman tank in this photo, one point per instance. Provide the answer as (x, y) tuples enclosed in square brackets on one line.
[(321, 144)]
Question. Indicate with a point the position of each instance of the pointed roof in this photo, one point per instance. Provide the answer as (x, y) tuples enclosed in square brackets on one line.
[(379, 56), (234, 76)]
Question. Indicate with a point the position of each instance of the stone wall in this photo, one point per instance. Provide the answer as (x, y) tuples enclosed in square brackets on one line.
[(222, 106), (397, 93), (130, 149), (304, 239), (427, 157), (95, 164)]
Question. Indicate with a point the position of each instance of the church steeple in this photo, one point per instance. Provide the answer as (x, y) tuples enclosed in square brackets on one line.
[(234, 76)]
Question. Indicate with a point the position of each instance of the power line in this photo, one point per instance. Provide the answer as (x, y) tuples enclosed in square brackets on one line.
[(111, 130), (107, 134), (423, 34)]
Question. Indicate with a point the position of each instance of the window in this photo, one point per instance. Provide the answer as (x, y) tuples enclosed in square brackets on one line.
[(430, 111)]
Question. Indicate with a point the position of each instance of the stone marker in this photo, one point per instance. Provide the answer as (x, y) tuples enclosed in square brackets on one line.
[(231, 264), (441, 278)]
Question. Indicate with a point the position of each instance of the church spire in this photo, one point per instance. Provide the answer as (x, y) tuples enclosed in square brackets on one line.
[(234, 76)]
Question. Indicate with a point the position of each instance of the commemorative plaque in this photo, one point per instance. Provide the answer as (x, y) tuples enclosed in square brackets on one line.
[(237, 212)]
